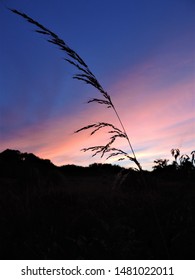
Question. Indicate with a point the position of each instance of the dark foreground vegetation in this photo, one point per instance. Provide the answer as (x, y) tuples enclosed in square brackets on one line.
[(98, 212)]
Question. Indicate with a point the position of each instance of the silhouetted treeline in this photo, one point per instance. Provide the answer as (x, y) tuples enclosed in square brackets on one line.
[(26, 168), (18, 165), (93, 169), (15, 164)]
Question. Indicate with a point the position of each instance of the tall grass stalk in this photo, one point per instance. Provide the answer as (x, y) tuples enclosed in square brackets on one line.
[(85, 75)]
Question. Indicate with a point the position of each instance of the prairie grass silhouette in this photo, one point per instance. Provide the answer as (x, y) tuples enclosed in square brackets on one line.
[(85, 75)]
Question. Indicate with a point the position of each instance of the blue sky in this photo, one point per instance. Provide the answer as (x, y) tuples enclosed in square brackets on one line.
[(141, 51)]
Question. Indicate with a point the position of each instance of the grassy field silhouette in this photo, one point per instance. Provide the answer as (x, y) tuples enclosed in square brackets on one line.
[(72, 212)]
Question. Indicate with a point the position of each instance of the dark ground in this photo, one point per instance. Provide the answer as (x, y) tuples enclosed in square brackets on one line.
[(81, 213)]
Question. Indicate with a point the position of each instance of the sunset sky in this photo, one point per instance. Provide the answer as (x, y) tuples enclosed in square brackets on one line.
[(142, 53)]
